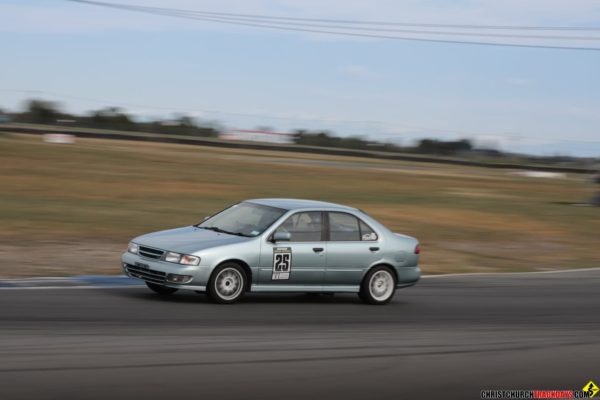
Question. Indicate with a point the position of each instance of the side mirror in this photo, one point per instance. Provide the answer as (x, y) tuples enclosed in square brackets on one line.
[(281, 237)]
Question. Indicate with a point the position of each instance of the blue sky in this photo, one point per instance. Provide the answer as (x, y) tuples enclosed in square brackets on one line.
[(521, 99)]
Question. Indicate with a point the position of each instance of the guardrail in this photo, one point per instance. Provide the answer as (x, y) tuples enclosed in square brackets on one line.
[(203, 141)]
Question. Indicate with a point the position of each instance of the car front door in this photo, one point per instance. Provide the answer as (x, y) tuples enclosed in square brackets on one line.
[(299, 261), (353, 246)]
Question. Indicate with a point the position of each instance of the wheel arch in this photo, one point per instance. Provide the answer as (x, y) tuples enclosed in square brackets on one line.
[(380, 264), (242, 264)]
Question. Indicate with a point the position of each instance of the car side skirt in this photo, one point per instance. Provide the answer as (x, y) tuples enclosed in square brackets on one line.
[(306, 288)]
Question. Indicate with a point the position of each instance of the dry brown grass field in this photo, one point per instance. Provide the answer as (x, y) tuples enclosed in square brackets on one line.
[(71, 209)]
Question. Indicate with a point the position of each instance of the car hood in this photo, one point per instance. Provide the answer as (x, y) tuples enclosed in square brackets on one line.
[(188, 239)]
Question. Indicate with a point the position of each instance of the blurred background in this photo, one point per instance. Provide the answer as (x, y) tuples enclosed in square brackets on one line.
[(481, 140)]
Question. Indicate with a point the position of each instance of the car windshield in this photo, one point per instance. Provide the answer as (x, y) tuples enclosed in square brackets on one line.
[(243, 219)]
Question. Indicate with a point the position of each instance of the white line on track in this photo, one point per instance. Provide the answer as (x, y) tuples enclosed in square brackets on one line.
[(557, 271), (69, 287), (458, 275)]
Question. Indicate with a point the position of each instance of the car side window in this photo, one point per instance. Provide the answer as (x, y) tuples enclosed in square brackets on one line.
[(343, 227), (366, 233), (303, 226), (348, 228)]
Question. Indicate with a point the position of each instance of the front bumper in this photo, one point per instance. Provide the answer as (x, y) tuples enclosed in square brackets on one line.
[(155, 271)]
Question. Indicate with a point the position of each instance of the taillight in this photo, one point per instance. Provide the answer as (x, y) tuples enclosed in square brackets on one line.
[(417, 249)]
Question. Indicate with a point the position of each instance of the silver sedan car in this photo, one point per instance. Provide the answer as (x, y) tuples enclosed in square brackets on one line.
[(277, 245)]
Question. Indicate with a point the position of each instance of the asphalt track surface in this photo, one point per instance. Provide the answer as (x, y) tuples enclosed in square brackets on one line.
[(448, 337)]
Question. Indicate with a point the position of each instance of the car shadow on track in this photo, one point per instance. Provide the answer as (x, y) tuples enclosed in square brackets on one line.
[(191, 297)]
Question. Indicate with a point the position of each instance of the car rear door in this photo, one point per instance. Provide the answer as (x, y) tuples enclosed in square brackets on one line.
[(299, 261), (352, 247)]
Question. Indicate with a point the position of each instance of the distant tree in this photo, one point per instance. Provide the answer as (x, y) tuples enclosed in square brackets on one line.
[(180, 125), (353, 142), (385, 146), (186, 125), (595, 200), (40, 112), (463, 145), (111, 118), (433, 146), (321, 138), (326, 139)]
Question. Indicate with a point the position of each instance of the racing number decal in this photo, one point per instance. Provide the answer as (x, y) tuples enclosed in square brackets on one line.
[(282, 263)]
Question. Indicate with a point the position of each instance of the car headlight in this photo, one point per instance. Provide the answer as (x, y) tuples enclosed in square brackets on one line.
[(182, 258), (173, 257), (189, 260), (133, 248)]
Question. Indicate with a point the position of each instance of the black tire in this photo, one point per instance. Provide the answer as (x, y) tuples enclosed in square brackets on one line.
[(227, 283), (381, 291), (160, 289), (361, 296)]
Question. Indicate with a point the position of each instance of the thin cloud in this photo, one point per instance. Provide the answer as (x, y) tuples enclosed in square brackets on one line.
[(355, 71), (517, 81)]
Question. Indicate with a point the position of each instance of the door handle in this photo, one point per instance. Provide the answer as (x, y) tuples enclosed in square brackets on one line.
[(318, 249), (374, 248)]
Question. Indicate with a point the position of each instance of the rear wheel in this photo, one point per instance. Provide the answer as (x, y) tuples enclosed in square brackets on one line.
[(160, 289), (379, 286), (227, 283)]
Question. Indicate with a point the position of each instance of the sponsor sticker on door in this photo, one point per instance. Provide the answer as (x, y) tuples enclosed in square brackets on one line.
[(282, 263)]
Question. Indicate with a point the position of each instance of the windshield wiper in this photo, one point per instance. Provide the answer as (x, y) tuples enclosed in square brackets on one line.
[(214, 228), (240, 234)]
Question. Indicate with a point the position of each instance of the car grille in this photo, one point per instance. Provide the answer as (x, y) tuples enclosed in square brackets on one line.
[(150, 252), (143, 272)]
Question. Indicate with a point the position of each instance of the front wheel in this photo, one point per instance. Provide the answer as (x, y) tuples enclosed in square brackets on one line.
[(227, 283), (160, 289), (379, 286)]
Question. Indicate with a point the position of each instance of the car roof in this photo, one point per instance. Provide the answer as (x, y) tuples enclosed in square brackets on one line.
[(295, 204)]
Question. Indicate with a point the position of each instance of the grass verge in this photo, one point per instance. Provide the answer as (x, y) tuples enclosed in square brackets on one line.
[(70, 209)]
